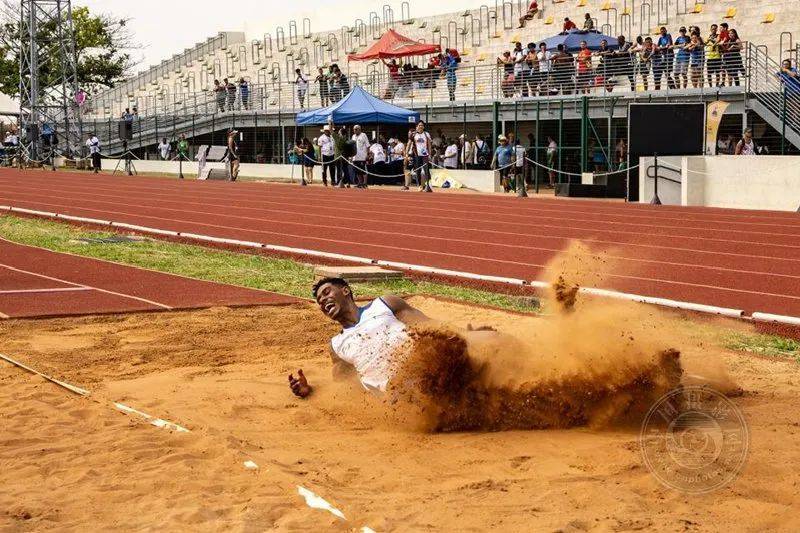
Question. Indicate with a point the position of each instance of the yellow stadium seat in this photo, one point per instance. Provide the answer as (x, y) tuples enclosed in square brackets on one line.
[(768, 18), (515, 38), (558, 1), (482, 56), (626, 11), (466, 52), (606, 6), (479, 89), (581, 3), (730, 13), (466, 82), (548, 20), (698, 8)]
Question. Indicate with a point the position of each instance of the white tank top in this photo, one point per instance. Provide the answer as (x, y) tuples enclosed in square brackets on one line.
[(374, 345)]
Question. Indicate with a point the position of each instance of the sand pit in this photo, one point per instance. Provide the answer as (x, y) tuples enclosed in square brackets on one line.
[(70, 463)]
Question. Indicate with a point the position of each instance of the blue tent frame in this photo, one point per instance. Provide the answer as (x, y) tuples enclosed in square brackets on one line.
[(572, 40), (358, 107)]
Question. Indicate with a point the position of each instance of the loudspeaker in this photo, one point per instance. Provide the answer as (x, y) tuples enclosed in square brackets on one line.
[(579, 190), (125, 130)]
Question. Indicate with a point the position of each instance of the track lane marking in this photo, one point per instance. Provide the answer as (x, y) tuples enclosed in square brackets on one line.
[(59, 289)]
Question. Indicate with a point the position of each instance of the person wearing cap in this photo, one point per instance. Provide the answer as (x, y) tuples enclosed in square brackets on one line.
[(360, 159), (502, 161), (327, 151), (232, 154)]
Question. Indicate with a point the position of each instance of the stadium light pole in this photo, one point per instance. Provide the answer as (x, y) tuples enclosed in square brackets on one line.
[(48, 81)]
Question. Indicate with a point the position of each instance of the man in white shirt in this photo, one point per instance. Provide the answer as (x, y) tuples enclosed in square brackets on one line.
[(302, 87), (164, 149), (93, 144), (397, 150), (377, 154), (327, 150), (467, 152), (451, 156), (544, 58), (360, 159), (518, 56)]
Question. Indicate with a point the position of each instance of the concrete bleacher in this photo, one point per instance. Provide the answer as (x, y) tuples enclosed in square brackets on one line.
[(268, 61)]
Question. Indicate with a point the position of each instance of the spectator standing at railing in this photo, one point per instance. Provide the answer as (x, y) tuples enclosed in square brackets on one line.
[(663, 59), (713, 57), (604, 69), (322, 81), (682, 59), (544, 58), (530, 71), (584, 68), (244, 93), (302, 87), (789, 77), (127, 116), (622, 63), (568, 25), (696, 51), (732, 58), (588, 22), (327, 150), (219, 95), (231, 90), (646, 60), (563, 70), (518, 59), (164, 149), (533, 10), (450, 67), (394, 78), (507, 78)]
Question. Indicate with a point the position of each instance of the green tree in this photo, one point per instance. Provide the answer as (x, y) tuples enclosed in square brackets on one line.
[(102, 49)]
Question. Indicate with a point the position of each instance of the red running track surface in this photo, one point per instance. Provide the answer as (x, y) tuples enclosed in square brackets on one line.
[(741, 259), (35, 282)]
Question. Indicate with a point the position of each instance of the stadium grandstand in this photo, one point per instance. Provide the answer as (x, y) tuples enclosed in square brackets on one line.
[(580, 105)]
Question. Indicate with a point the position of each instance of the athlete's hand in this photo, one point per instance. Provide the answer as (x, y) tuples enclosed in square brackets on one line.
[(299, 385)]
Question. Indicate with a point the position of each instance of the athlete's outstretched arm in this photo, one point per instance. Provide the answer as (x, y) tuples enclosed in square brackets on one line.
[(403, 311)]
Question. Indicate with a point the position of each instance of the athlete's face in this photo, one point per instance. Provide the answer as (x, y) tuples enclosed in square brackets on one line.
[(333, 300)]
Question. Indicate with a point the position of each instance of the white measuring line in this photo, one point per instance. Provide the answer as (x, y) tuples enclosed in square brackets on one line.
[(57, 289), (312, 500), (665, 302)]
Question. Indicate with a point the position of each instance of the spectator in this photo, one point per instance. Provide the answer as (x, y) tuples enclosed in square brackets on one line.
[(394, 78), (695, 49), (519, 165), (584, 74), (682, 59), (327, 150), (789, 77), (663, 59), (219, 94), (322, 81), (232, 154), (164, 149), (339, 148), (724, 33), (713, 58), (93, 144), (605, 69), (482, 153), (588, 22), (126, 115), (746, 146), (732, 58), (244, 93), (230, 88), (438, 144), (552, 152), (621, 154), (518, 58), (344, 83), (302, 87), (622, 61), (449, 67), (507, 82), (646, 60), (397, 150), (360, 158), (377, 154), (531, 72), (418, 150), (568, 25), (305, 150), (468, 155), (533, 10), (450, 159), (544, 58), (183, 148), (502, 161), (563, 69)]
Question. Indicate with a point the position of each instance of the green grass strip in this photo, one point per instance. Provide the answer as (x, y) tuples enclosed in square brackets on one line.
[(247, 270)]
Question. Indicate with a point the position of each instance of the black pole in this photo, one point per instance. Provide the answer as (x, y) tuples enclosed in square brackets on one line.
[(656, 200), (522, 187)]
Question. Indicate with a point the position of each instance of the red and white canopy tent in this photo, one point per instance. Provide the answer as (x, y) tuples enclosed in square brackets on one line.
[(393, 45)]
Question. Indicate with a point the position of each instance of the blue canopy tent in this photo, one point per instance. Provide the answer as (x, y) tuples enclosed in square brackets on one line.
[(572, 40), (358, 107)]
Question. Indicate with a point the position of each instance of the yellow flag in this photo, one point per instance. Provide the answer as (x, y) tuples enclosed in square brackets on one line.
[(714, 115)]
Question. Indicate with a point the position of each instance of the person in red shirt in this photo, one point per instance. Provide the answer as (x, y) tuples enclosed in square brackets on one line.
[(394, 78), (533, 9), (568, 25)]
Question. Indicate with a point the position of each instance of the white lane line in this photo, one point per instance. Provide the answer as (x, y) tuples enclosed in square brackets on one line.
[(89, 287), (71, 388), (690, 306), (3, 315), (318, 502), (157, 422), (59, 289)]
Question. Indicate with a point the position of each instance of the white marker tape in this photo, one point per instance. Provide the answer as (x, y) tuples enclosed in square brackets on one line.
[(317, 502), (157, 422), (71, 388), (687, 306), (779, 319)]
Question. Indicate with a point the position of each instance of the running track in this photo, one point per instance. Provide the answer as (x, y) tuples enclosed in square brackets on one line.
[(35, 282), (747, 260)]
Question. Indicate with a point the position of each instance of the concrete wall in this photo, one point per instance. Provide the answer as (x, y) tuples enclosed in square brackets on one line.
[(668, 192), (742, 182)]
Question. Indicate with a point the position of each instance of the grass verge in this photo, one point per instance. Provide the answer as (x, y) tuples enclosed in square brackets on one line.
[(771, 345), (247, 270)]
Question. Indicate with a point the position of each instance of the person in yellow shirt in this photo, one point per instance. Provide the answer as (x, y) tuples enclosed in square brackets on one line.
[(714, 59)]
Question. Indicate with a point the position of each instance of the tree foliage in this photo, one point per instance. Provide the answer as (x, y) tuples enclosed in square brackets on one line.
[(102, 49)]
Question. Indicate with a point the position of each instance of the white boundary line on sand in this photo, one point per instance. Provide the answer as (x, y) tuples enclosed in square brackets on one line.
[(665, 302), (312, 500)]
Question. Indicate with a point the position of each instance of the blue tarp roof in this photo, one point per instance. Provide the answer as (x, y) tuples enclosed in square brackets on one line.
[(572, 40), (359, 107)]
